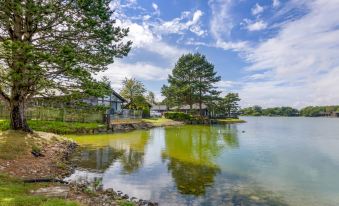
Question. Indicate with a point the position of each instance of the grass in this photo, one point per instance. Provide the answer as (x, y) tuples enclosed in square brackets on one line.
[(57, 127), (14, 192), (230, 121), (159, 121), (16, 143)]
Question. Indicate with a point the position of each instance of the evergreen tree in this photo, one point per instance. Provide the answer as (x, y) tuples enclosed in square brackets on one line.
[(206, 78), (230, 104), (192, 81), (54, 46)]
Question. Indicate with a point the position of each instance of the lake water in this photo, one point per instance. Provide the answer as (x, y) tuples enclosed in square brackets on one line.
[(266, 161)]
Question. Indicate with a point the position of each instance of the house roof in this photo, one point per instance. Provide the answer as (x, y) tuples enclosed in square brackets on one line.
[(159, 107), (187, 107), (119, 96)]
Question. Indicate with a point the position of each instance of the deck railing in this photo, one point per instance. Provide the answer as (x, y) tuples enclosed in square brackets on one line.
[(126, 116)]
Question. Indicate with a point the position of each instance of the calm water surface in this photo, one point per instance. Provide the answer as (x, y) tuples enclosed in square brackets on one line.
[(266, 161)]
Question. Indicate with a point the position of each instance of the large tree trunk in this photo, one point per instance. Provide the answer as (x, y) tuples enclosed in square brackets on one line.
[(200, 109), (17, 117), (200, 102)]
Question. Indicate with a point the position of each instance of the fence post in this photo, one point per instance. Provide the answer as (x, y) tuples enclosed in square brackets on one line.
[(108, 121)]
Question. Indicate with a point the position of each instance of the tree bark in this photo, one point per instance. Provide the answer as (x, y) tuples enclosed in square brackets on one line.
[(17, 117), (200, 102)]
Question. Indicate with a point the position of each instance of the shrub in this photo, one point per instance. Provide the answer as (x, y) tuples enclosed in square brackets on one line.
[(178, 116)]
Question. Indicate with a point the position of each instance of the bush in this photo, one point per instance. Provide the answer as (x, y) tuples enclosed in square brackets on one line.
[(180, 116)]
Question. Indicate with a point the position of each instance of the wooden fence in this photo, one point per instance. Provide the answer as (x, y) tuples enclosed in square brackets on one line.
[(58, 114)]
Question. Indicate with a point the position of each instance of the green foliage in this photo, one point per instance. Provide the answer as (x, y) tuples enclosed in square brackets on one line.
[(132, 89), (276, 111), (229, 105), (315, 111), (179, 116), (146, 112), (49, 47), (192, 81), (125, 203), (310, 111), (252, 111)]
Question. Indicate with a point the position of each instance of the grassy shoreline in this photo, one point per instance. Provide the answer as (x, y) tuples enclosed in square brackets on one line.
[(62, 128), (56, 127), (230, 121)]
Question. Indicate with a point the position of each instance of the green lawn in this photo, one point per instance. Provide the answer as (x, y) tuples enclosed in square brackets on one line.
[(14, 192), (159, 121), (230, 120), (54, 126)]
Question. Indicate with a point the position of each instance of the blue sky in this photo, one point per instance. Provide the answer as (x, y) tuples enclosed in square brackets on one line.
[(272, 52)]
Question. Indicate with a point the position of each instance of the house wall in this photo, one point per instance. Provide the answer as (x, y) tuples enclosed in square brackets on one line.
[(113, 101)]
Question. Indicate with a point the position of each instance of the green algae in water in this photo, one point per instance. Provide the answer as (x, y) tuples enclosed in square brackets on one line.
[(218, 165)]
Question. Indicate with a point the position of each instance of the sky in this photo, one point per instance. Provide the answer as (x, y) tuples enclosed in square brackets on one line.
[(271, 52)]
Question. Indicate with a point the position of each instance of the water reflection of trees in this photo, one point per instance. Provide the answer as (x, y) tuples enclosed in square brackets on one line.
[(129, 151), (191, 151), (192, 178), (131, 161)]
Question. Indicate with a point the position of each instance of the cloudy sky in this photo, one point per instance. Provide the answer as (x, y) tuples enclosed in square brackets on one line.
[(272, 52)]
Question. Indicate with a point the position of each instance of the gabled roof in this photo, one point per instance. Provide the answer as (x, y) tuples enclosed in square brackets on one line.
[(119, 96)]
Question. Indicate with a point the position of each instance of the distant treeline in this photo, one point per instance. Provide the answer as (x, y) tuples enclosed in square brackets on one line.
[(310, 111)]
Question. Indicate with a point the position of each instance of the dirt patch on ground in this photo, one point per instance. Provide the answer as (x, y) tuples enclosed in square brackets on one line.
[(17, 160)]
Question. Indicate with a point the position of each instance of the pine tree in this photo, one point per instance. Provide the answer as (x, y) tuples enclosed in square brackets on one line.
[(192, 81), (54, 46)]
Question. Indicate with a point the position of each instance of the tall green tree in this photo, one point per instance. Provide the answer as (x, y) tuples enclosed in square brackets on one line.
[(171, 99), (230, 104), (192, 81), (54, 46), (182, 80), (151, 98), (132, 90), (206, 78)]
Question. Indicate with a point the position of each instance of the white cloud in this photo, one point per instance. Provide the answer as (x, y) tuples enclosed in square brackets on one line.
[(144, 38), (225, 85), (257, 9), (256, 26), (301, 62), (140, 70), (156, 9), (187, 21), (155, 6), (221, 25), (221, 20), (275, 3)]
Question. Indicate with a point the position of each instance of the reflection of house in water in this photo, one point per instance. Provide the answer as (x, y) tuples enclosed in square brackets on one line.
[(102, 158), (97, 159), (125, 148)]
